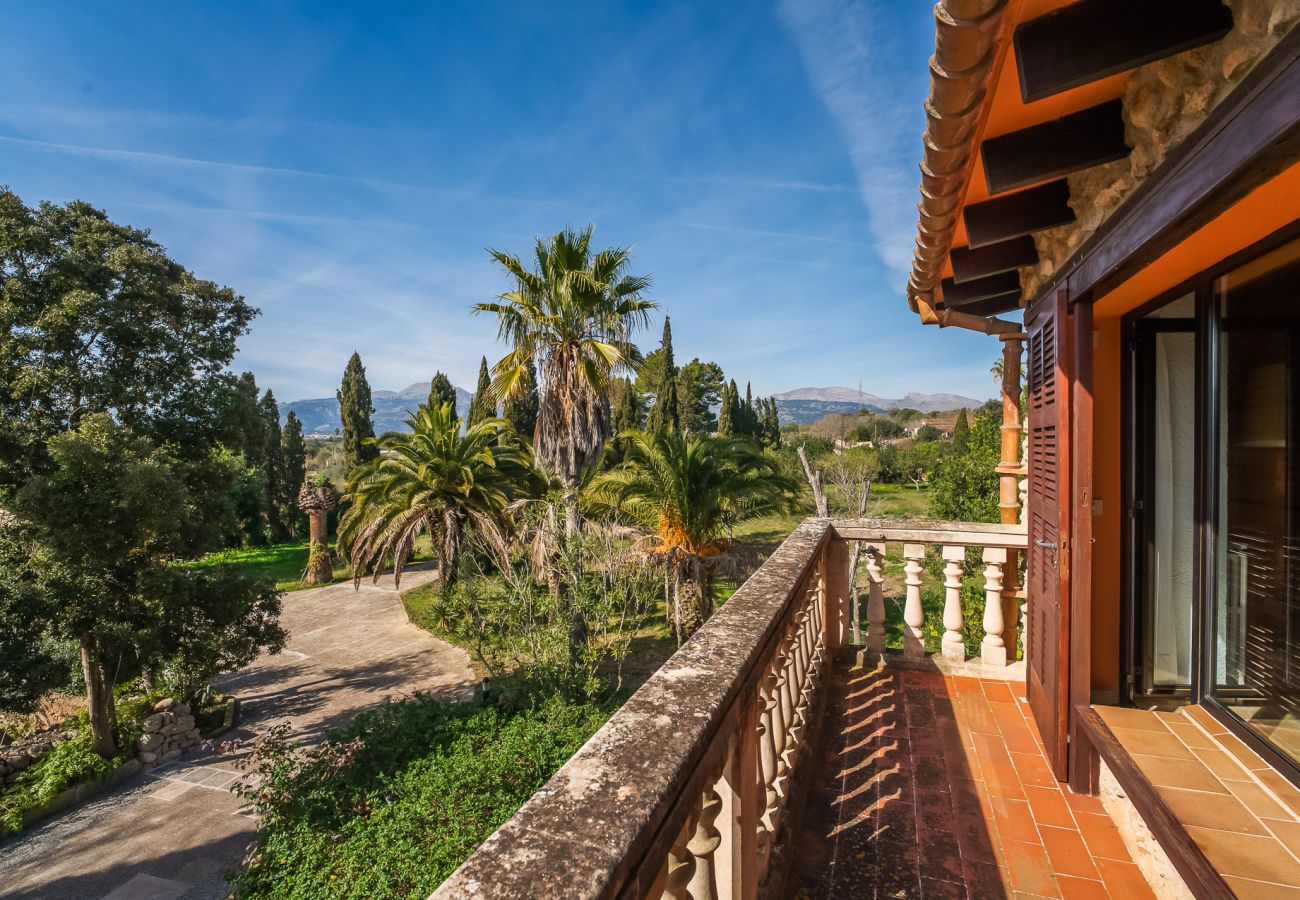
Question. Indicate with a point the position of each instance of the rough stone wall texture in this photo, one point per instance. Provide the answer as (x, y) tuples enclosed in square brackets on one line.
[(1150, 857), (167, 732), (1163, 103)]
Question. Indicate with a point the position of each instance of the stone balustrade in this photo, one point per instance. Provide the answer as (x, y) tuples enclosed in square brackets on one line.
[(684, 791)]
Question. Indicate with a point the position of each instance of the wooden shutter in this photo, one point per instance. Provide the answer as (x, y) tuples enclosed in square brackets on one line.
[(1048, 627)]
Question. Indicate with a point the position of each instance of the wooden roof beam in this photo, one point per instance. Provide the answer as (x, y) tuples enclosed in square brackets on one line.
[(1014, 215), (990, 306), (959, 294), (971, 263), (1072, 143), (1091, 39)]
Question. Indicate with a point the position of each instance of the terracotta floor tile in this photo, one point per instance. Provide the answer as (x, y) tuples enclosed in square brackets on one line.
[(1191, 735), (984, 880), (1258, 800), (1019, 739), (1127, 717), (1002, 780), (1247, 855), (973, 714), (1205, 720), (1239, 751), (1183, 773), (1284, 790), (1067, 853), (1083, 802), (1033, 770), (942, 890), (1286, 832), (1211, 811), (966, 685), (1246, 889), (1154, 743), (1049, 807), (1101, 836), (1124, 880), (998, 690), (1030, 869), (1081, 888), (1224, 766), (1014, 821)]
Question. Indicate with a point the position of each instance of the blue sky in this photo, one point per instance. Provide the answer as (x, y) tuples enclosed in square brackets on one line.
[(344, 166)]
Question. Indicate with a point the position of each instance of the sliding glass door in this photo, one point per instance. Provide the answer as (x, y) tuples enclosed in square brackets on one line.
[(1254, 653)]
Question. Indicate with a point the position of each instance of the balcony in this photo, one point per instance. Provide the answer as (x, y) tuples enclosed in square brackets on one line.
[(773, 756)]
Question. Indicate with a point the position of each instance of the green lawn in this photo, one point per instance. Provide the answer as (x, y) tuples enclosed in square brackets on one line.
[(281, 563)]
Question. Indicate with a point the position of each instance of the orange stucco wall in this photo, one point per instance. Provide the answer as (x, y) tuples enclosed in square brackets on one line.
[(1268, 208)]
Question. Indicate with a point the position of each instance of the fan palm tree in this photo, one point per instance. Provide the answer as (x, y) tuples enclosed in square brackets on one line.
[(573, 316), (434, 479), (688, 492)]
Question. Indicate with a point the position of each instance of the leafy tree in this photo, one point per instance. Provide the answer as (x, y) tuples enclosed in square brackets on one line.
[(773, 424), (573, 314), (355, 412), (441, 393), (965, 483), (435, 479), (102, 526), (520, 409), (699, 389), (928, 433), (689, 491), (293, 449), (94, 317), (628, 414), (961, 429), (481, 406), (664, 412), (727, 411), (649, 372)]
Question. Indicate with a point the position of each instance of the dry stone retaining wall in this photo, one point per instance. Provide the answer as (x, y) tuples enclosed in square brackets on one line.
[(168, 731)]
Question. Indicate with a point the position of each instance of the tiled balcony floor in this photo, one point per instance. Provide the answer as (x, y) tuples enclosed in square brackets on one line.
[(932, 786)]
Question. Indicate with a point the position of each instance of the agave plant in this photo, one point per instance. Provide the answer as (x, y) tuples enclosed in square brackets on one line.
[(687, 493), (573, 316), (435, 479)]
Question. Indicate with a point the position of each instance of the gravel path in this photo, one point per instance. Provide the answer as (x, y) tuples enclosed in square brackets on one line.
[(175, 831)]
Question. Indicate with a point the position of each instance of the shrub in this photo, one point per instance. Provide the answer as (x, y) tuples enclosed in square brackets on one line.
[(395, 802)]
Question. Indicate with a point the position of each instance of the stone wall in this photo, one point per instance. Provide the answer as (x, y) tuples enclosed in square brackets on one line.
[(24, 753), (1142, 845), (1163, 103), (168, 731)]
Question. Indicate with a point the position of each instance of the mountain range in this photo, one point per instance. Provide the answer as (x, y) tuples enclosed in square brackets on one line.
[(320, 418)]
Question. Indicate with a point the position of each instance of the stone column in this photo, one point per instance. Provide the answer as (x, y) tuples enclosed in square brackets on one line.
[(1009, 462)]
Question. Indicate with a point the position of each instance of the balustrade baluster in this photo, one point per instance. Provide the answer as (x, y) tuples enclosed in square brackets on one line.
[(954, 647), (681, 863), (704, 846), (875, 603), (913, 611), (993, 651)]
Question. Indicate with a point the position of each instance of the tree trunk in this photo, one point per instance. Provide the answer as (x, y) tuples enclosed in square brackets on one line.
[(99, 698), (572, 516), (814, 477), (320, 569)]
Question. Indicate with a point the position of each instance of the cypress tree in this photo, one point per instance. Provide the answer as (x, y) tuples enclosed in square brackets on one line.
[(747, 415), (520, 410), (627, 414), (961, 429), (773, 423), (664, 414), (293, 450), (726, 425), (272, 466), (480, 407), (355, 412), (441, 393)]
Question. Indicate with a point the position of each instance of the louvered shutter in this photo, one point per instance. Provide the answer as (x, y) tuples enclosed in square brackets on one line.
[(1048, 627)]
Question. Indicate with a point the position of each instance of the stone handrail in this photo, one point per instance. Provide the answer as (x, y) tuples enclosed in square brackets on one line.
[(681, 792)]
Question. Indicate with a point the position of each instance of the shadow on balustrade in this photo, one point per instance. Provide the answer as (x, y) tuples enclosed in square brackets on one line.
[(893, 808)]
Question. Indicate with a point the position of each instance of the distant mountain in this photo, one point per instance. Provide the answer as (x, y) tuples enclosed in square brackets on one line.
[(804, 405), (321, 417)]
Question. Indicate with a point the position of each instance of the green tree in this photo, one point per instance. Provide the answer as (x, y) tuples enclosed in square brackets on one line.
[(965, 482), (928, 433), (664, 413), (355, 411), (95, 317), (727, 411), (520, 408), (961, 429), (689, 491), (103, 526), (699, 389), (435, 479), (274, 488), (481, 406), (441, 393), (293, 449), (773, 423), (573, 314), (628, 414)]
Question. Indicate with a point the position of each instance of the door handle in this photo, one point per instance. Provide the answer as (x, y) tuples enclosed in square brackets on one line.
[(1046, 545)]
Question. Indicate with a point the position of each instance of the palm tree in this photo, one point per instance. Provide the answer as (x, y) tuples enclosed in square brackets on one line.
[(434, 479), (689, 492), (573, 315)]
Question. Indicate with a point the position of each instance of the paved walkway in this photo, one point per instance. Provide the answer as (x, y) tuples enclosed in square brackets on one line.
[(174, 832), (933, 786)]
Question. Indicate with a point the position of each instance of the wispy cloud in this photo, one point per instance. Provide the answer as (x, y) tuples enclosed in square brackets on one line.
[(770, 184), (759, 232), (845, 52)]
